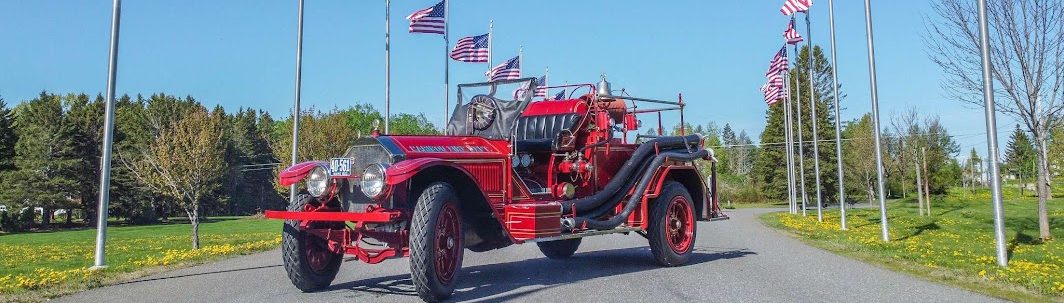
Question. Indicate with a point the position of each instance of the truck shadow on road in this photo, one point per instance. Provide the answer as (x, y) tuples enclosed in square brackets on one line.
[(499, 281)]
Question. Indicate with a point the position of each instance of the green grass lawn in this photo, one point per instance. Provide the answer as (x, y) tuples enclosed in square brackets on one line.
[(35, 266), (954, 245)]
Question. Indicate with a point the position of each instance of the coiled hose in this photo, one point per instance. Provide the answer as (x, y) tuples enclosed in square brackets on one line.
[(630, 167), (617, 219)]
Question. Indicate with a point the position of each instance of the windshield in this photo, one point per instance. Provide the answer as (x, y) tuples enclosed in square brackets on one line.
[(491, 114)]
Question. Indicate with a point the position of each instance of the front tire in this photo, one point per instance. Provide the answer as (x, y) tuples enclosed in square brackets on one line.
[(436, 246), (672, 225), (310, 264), (560, 249)]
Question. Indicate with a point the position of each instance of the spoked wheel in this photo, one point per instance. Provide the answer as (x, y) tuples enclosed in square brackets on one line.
[(436, 246), (672, 225), (307, 259)]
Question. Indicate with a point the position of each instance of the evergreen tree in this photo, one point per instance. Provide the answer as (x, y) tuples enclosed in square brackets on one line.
[(769, 166), (1020, 156), (46, 156), (7, 138), (86, 118)]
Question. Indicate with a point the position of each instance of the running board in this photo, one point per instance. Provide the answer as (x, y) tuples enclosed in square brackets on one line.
[(587, 234)]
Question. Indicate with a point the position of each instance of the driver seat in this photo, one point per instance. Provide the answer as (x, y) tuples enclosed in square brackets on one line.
[(543, 125)]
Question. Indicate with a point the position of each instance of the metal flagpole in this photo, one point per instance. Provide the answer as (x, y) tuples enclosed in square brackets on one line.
[(875, 122), (446, 62), (108, 139), (813, 119), (789, 137), (838, 118), (295, 108), (991, 138), (491, 35), (388, 66), (801, 149)]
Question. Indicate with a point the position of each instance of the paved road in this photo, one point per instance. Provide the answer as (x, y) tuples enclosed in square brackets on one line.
[(738, 260)]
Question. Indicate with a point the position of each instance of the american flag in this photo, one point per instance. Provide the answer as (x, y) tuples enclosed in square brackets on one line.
[(773, 94), (509, 70), (471, 49), (430, 20), (773, 90), (559, 96), (792, 35), (541, 87), (792, 6), (777, 66)]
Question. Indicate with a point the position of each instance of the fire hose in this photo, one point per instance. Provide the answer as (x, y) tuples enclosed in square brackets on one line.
[(637, 161)]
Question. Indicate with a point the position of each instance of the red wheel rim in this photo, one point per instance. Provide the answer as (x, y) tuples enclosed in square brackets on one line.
[(680, 230), (317, 249), (318, 254), (448, 243)]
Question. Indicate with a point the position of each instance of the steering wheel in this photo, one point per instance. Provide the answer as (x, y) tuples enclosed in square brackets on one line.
[(483, 109)]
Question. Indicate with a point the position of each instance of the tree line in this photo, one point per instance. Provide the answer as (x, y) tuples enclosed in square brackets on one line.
[(173, 157)]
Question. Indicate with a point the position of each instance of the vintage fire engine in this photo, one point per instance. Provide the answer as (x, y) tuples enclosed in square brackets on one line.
[(506, 172)]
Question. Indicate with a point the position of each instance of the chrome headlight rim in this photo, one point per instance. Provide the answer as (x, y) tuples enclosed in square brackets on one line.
[(317, 181), (372, 181)]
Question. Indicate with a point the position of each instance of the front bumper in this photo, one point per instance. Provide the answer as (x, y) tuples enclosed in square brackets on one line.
[(378, 216)]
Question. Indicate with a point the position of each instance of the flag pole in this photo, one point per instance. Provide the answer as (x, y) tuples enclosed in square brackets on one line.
[(446, 62), (388, 66), (295, 108), (801, 137), (789, 137), (813, 118), (491, 36), (108, 140), (838, 118), (991, 138), (875, 122)]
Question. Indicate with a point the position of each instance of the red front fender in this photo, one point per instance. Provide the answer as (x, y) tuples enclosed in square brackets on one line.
[(294, 173), (404, 170)]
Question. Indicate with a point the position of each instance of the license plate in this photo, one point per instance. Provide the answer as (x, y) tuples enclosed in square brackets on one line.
[(340, 167)]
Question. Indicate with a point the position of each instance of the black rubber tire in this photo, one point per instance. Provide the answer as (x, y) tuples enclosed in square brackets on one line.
[(293, 240), (423, 231), (663, 252), (561, 249)]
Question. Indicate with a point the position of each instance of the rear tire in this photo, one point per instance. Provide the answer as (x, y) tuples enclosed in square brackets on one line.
[(436, 246), (560, 249), (672, 225), (310, 264)]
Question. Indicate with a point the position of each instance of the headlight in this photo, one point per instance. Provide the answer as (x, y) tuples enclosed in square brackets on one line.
[(317, 181), (515, 161), (373, 180), (526, 160)]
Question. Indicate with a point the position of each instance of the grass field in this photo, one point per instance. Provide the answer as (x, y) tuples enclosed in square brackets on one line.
[(954, 245), (36, 266)]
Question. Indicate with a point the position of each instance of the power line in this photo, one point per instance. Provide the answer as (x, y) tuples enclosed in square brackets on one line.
[(851, 139)]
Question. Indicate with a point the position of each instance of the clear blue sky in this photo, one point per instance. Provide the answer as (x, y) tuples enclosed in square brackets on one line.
[(241, 53)]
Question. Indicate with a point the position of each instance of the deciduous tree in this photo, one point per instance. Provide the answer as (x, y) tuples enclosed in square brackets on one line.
[(185, 163), (1026, 56)]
